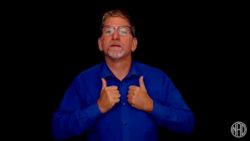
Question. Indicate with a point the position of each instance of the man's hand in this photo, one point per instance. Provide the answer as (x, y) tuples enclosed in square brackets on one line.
[(139, 98), (109, 96)]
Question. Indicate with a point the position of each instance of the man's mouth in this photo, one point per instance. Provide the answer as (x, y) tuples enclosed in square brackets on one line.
[(115, 45)]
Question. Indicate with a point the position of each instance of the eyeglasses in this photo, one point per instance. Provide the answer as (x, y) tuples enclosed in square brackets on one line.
[(122, 30)]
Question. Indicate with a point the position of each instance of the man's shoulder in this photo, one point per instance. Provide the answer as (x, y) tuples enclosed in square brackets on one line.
[(90, 71), (146, 69)]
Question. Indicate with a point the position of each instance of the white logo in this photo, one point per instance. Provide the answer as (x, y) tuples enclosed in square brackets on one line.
[(239, 129)]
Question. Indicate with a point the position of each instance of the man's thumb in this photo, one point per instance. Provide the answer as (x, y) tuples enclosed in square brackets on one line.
[(104, 83), (141, 82)]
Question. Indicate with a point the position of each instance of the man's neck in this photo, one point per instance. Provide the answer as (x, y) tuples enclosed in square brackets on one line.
[(120, 67)]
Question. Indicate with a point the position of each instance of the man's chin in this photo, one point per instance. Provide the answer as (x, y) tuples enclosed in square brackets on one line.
[(115, 56)]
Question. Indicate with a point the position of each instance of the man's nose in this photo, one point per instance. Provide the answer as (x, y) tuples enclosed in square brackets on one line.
[(116, 35)]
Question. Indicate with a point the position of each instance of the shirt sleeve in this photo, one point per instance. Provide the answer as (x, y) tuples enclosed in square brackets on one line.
[(172, 112), (72, 118)]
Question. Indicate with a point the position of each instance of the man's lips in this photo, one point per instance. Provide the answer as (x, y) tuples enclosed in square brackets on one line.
[(115, 45)]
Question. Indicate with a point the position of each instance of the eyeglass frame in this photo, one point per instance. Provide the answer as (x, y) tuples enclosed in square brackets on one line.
[(117, 28)]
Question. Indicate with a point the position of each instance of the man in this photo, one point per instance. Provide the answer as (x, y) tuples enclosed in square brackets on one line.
[(121, 99)]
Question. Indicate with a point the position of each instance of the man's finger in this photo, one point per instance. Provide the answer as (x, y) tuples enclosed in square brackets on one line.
[(112, 87), (132, 87), (117, 95), (141, 82), (104, 83), (117, 100)]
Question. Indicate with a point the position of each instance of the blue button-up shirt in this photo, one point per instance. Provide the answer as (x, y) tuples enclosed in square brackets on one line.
[(79, 112)]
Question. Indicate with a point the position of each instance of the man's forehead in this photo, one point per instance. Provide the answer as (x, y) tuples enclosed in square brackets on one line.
[(116, 21)]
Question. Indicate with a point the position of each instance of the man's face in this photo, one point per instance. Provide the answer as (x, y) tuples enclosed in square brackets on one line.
[(117, 41)]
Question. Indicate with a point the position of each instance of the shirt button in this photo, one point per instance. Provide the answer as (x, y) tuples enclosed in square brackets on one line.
[(123, 103)]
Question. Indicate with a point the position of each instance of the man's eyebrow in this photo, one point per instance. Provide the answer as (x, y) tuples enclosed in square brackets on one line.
[(116, 26)]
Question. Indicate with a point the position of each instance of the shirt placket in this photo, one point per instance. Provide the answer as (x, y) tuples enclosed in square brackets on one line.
[(124, 111)]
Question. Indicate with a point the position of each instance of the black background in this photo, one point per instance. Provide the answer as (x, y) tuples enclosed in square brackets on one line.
[(201, 46)]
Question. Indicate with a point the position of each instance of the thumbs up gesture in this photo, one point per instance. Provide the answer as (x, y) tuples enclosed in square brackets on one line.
[(139, 98), (109, 96)]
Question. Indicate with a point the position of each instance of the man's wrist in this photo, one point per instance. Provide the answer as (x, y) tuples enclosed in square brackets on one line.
[(149, 105), (100, 107)]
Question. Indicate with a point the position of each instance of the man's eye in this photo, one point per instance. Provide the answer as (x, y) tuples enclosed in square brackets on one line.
[(123, 31), (109, 31)]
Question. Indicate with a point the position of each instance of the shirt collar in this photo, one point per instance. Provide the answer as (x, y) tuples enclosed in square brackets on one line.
[(133, 70), (106, 72)]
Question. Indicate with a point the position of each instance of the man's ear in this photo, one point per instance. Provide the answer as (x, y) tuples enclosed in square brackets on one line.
[(100, 43), (134, 44)]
